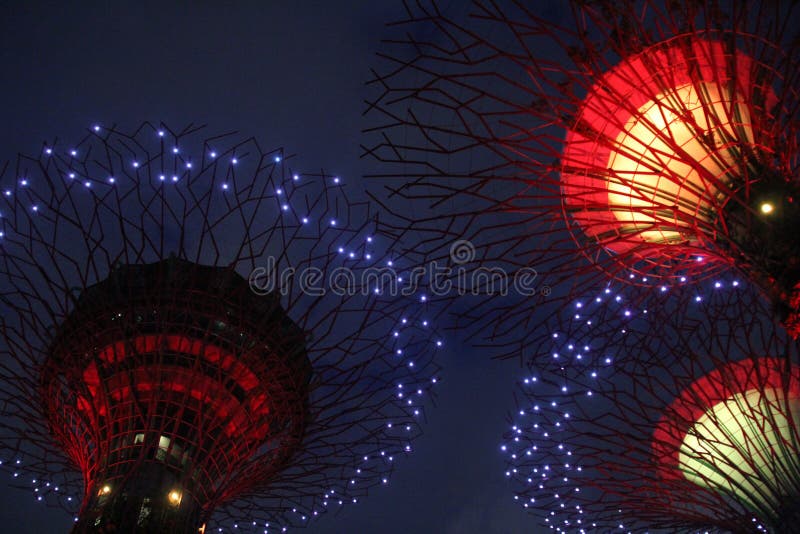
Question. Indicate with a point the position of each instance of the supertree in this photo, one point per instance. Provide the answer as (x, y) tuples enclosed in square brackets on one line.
[(189, 338), (630, 140), (689, 420)]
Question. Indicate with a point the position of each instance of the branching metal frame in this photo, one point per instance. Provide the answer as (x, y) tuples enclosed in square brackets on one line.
[(122, 202)]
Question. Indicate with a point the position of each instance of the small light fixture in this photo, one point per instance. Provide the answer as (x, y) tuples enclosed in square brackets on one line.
[(767, 208), (105, 490), (175, 497)]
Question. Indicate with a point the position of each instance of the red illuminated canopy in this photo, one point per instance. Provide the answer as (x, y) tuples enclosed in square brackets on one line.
[(681, 222)]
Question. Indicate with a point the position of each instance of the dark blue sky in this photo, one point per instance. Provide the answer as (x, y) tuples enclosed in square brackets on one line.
[(292, 74)]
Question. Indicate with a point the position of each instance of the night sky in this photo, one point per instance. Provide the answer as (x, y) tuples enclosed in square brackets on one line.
[(292, 74)]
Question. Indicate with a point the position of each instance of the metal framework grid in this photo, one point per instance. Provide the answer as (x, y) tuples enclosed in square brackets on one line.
[(151, 332), (612, 139), (688, 420)]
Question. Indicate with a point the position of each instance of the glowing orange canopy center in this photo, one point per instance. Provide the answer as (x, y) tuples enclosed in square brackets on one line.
[(658, 145)]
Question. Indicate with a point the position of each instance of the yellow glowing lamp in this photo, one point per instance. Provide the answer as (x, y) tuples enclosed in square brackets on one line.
[(174, 497), (104, 490)]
